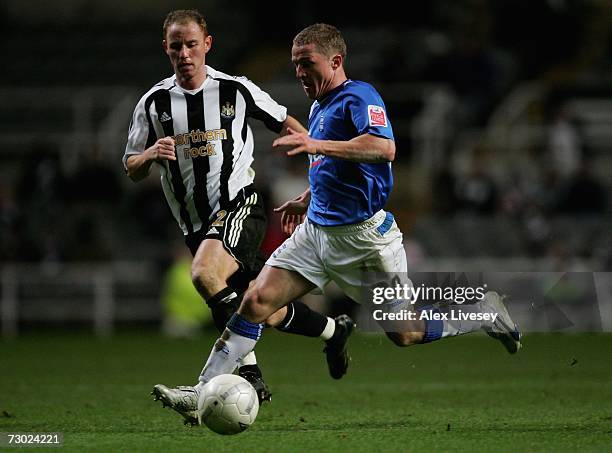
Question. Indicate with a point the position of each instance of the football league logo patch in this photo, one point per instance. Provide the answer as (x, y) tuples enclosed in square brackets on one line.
[(377, 116)]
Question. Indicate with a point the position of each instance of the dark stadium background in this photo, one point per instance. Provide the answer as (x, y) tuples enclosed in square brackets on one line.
[(502, 113)]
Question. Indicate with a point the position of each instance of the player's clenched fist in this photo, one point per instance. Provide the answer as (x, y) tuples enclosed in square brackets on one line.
[(163, 149)]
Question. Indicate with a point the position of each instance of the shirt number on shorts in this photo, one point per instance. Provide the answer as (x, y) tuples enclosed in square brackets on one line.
[(219, 221)]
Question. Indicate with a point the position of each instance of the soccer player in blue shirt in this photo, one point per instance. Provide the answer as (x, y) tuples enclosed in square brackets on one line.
[(345, 231)]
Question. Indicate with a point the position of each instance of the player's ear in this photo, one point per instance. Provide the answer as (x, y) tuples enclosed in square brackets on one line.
[(336, 61), (207, 43), (165, 46)]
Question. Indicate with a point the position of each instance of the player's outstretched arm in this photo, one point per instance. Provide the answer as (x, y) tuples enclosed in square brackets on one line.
[(365, 148), (293, 212), (139, 165)]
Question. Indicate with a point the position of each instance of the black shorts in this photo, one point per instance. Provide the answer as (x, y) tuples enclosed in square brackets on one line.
[(241, 228)]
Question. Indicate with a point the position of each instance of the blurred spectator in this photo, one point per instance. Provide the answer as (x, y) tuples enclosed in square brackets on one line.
[(536, 230), (476, 192), (42, 181), (415, 253), (94, 192), (564, 144), (41, 192), (444, 201)]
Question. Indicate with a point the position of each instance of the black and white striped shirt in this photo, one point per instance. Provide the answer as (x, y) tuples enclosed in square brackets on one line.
[(214, 143)]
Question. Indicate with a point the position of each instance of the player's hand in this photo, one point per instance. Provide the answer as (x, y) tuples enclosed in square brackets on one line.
[(296, 143), (289, 222), (163, 149), (293, 213)]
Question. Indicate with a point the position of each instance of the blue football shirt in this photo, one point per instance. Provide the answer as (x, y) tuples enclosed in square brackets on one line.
[(345, 192)]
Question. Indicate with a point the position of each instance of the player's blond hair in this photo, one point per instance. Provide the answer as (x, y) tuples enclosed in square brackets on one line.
[(184, 16), (327, 39)]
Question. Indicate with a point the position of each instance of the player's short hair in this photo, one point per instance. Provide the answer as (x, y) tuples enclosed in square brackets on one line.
[(327, 39), (184, 16)]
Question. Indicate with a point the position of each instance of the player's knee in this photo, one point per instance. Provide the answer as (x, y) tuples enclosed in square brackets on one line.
[(405, 338), (256, 304)]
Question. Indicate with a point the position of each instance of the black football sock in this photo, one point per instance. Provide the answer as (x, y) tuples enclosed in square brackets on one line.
[(223, 305), (301, 320)]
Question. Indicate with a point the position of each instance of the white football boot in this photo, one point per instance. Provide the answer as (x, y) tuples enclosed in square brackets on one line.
[(504, 329), (183, 399)]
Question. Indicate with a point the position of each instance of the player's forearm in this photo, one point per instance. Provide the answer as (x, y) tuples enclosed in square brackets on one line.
[(365, 148), (138, 166), (294, 124), (306, 196)]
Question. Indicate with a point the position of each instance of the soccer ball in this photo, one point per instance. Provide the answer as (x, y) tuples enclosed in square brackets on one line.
[(228, 404)]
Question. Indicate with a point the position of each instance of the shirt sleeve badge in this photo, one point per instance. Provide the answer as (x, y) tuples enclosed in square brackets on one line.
[(377, 116)]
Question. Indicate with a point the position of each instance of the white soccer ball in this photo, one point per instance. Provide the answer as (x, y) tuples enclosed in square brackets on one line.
[(228, 404)]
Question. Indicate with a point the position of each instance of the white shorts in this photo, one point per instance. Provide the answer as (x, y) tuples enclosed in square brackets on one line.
[(342, 254)]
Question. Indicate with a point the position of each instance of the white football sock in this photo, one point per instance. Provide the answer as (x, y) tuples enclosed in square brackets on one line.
[(329, 330), (226, 354)]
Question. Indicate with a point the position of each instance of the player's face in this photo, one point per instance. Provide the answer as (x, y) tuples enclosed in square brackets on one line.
[(186, 46), (314, 70)]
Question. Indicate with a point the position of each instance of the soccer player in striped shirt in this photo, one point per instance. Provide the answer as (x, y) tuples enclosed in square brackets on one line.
[(350, 146), (193, 126)]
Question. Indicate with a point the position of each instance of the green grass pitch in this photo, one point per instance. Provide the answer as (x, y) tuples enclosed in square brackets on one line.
[(462, 394)]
